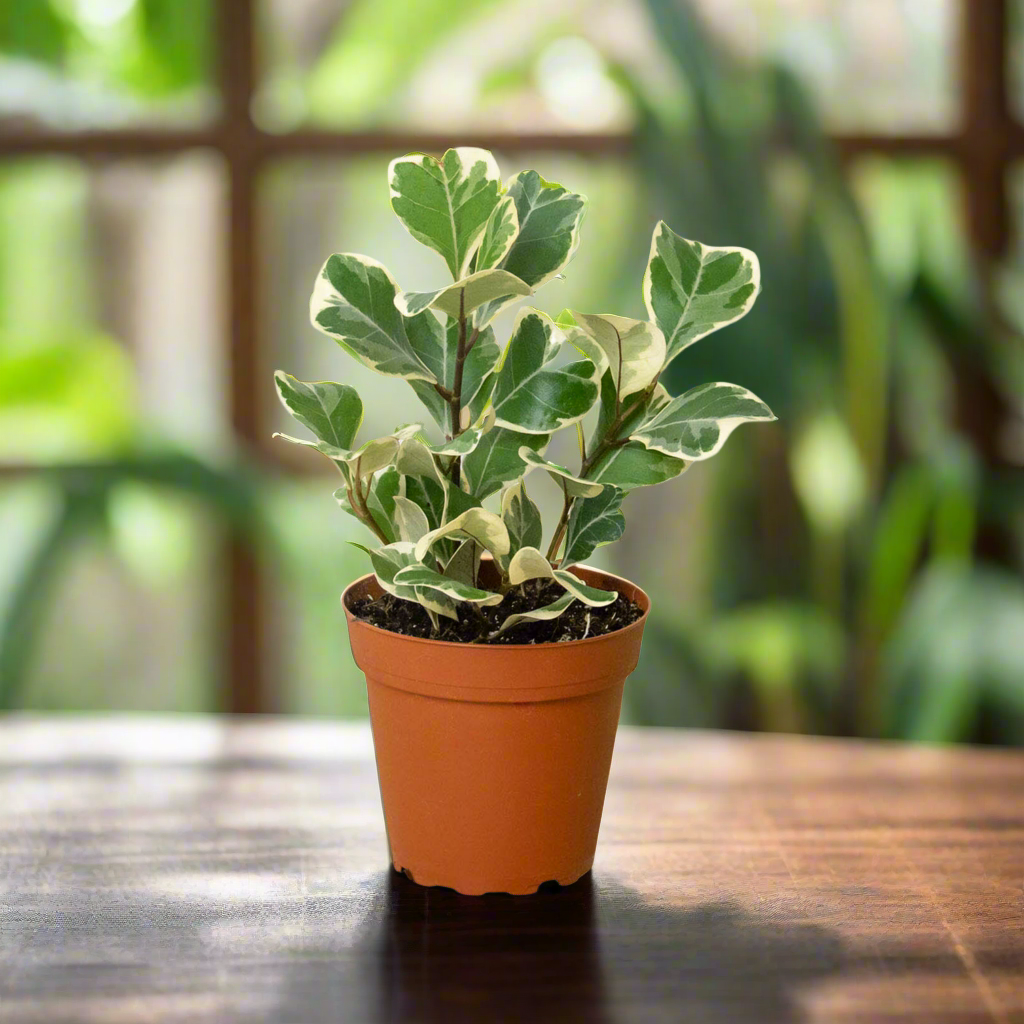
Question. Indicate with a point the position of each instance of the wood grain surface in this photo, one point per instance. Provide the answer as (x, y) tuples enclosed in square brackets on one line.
[(217, 870)]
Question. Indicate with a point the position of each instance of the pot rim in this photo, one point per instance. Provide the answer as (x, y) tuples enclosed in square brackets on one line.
[(547, 645)]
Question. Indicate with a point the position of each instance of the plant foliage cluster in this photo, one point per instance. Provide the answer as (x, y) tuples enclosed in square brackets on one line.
[(498, 406)]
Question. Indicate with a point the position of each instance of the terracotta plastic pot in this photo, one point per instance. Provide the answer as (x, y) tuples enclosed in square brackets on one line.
[(493, 760)]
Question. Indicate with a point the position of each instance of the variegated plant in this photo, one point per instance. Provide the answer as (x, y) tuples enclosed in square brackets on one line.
[(497, 406)]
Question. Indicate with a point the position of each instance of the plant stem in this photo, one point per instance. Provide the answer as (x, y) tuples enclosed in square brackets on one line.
[(455, 402), (563, 522), (358, 502)]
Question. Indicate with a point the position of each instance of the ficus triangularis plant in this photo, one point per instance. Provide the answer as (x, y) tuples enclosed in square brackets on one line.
[(497, 406)]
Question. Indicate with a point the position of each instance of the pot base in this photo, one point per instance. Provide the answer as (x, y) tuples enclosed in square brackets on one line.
[(516, 887)]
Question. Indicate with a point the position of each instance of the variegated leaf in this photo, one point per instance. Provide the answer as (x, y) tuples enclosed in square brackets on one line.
[(482, 526), (429, 494), (522, 518), (634, 349), (466, 296), (464, 565), (380, 501), (549, 611), (499, 233), (353, 301), (632, 465), (530, 564), (333, 412), (696, 424), (532, 393), (592, 523), (410, 519), (496, 460), (420, 577), (387, 561), (691, 289), (549, 228), (445, 203), (362, 462), (573, 486)]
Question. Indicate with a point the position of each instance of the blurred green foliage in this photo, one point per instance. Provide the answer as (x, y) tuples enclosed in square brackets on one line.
[(857, 570)]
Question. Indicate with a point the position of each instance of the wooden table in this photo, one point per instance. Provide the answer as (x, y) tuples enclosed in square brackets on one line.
[(217, 870)]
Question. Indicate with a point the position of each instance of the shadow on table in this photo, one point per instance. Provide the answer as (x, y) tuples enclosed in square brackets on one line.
[(582, 953)]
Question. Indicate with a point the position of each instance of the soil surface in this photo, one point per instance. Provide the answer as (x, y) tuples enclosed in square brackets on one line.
[(578, 622)]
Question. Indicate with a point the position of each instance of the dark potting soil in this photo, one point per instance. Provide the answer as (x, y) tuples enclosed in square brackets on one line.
[(578, 622)]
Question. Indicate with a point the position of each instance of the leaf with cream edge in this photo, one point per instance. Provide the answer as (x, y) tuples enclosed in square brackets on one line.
[(530, 564), (634, 349), (386, 562), (521, 517), (496, 460), (441, 359), (333, 412), (696, 424), (410, 519), (353, 301), (547, 612), (691, 289), (420, 577), (573, 486), (464, 565), (549, 231), (533, 394), (593, 522), (482, 526), (445, 204), (465, 296), (361, 463), (499, 234)]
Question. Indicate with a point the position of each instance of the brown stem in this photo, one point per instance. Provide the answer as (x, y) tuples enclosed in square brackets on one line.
[(460, 367), (563, 523), (358, 502)]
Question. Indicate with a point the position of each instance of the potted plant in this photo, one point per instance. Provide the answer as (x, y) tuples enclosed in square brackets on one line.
[(494, 664)]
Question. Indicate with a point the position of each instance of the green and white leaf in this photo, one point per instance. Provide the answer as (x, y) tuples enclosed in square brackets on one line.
[(592, 523), (440, 358), (430, 495), (531, 393), (499, 234), (696, 424), (466, 296), (333, 412), (496, 460), (477, 523), (530, 564), (521, 517), (569, 482), (691, 289), (387, 561), (464, 565), (414, 458), (380, 500), (410, 519), (549, 611), (353, 301), (363, 462), (445, 204), (634, 349), (549, 228), (420, 577), (632, 465)]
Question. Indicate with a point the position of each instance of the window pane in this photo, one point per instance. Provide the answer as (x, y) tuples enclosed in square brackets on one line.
[(111, 362), (74, 64), (110, 305), (131, 620), (873, 65)]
